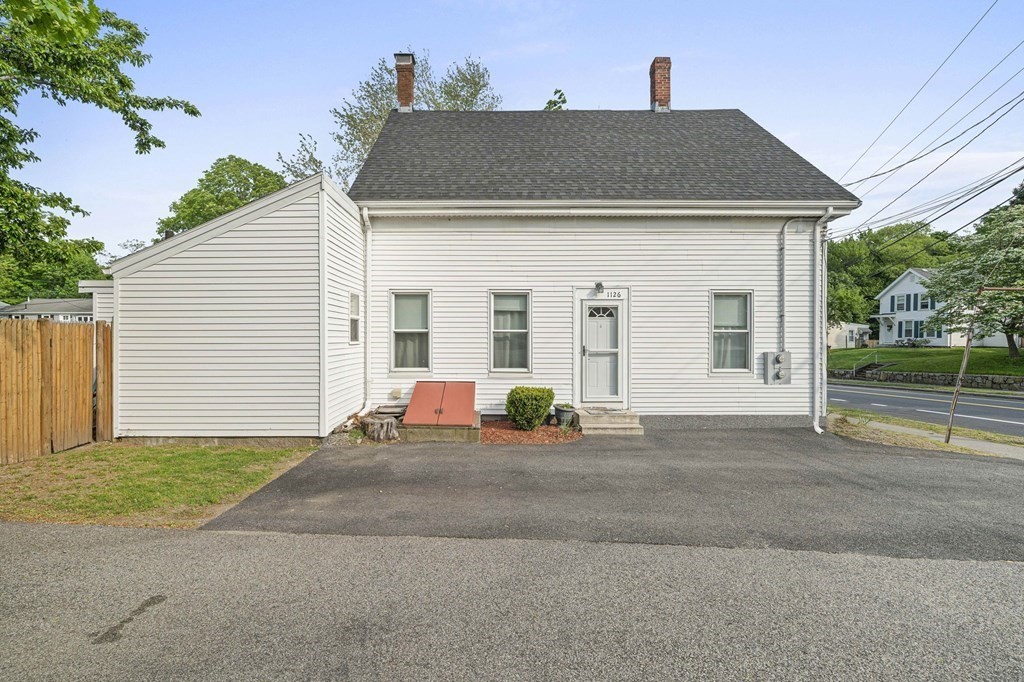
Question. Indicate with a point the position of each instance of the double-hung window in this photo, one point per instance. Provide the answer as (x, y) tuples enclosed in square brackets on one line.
[(901, 302), (410, 331), (510, 332), (730, 335)]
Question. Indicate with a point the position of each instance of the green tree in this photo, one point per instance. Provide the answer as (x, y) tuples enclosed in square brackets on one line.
[(229, 183), (991, 257), (65, 21), (35, 61), (860, 267), (50, 277), (557, 102), (465, 86)]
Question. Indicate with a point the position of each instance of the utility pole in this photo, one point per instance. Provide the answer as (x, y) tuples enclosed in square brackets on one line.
[(967, 355)]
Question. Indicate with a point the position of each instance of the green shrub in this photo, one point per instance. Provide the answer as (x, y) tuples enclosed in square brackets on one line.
[(527, 406)]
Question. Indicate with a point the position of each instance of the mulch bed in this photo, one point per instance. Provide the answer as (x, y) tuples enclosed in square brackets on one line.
[(505, 433)]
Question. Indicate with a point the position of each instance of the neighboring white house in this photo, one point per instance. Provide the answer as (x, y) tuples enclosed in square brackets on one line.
[(654, 260), (56, 309), (102, 291), (904, 309), (848, 335)]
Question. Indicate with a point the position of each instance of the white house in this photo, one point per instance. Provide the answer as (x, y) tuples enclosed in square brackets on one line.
[(848, 335), (665, 261), (904, 308)]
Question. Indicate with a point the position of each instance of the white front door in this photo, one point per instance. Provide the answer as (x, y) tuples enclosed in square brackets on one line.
[(602, 351)]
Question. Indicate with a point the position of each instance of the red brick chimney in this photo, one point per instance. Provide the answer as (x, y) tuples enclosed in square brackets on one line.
[(661, 83), (404, 64)]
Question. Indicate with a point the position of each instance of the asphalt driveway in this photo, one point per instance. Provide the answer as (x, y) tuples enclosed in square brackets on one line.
[(761, 488)]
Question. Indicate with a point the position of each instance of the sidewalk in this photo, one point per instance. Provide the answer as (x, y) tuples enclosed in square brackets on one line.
[(981, 446)]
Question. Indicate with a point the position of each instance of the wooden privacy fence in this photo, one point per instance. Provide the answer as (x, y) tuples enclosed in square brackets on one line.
[(47, 389)]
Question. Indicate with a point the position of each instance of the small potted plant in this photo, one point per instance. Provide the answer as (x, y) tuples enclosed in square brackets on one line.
[(564, 412)]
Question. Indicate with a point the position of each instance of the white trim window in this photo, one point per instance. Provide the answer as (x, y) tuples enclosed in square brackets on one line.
[(901, 303), (354, 316), (410, 331), (510, 331), (731, 331)]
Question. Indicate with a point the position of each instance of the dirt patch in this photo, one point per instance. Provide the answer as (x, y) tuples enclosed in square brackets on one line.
[(505, 433)]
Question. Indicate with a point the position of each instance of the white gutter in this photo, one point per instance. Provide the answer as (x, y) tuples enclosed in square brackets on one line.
[(367, 284), (818, 385)]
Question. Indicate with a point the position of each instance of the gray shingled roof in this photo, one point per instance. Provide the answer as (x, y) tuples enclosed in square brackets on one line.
[(36, 306), (715, 155)]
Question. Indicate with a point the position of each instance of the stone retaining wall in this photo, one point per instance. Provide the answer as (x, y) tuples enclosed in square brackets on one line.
[(994, 381)]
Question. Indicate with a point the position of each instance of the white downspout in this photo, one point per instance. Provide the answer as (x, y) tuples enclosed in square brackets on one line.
[(367, 298), (818, 386)]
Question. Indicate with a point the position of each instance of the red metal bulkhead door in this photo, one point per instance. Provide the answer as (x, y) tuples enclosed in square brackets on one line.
[(458, 405), (425, 404)]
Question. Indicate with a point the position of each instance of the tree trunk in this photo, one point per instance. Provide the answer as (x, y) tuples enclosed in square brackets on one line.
[(1011, 345)]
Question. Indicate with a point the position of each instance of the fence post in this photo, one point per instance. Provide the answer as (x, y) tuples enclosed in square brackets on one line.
[(104, 375), (45, 387)]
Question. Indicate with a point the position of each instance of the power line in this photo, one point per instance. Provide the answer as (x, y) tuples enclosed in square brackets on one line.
[(911, 100), (921, 155), (946, 160), (863, 226), (935, 204), (937, 118)]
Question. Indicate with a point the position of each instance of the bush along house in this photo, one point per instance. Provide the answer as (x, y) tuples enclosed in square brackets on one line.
[(662, 261)]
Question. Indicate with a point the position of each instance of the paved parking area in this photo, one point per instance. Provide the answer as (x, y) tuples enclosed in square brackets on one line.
[(755, 488)]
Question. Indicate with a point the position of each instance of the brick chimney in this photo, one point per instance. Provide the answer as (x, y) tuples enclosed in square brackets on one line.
[(661, 84), (404, 63)]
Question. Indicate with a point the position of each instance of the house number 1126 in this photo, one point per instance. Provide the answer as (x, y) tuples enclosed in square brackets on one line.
[(613, 294)]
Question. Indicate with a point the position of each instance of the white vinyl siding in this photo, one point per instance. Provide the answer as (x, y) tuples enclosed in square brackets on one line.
[(344, 255), (103, 305), (223, 338), (669, 264)]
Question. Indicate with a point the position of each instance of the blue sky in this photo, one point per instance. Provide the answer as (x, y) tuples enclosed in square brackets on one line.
[(823, 76)]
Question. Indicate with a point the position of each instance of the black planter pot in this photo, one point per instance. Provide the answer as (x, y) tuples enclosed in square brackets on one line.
[(564, 415)]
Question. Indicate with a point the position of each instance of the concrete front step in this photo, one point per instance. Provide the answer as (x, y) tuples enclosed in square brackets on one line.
[(613, 430), (611, 422)]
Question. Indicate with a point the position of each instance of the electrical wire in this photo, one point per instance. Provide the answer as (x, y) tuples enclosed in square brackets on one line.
[(935, 120), (911, 100)]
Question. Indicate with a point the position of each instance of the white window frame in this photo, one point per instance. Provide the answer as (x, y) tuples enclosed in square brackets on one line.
[(749, 331), (356, 315), (429, 330), (491, 330), (901, 303)]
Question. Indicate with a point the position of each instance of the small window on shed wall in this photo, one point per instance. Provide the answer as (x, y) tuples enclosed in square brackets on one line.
[(354, 315)]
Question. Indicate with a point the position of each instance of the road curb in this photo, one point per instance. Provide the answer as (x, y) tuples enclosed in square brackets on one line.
[(927, 388)]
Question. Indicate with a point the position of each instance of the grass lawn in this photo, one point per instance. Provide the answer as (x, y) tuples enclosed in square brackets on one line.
[(941, 360), (860, 416), (134, 485)]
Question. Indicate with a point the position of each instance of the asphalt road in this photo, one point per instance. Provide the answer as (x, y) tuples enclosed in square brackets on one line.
[(985, 413), (96, 603)]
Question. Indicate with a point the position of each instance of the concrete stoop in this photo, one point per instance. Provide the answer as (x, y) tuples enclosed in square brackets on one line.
[(598, 421)]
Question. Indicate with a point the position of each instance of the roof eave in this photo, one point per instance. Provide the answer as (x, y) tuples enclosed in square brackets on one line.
[(602, 208)]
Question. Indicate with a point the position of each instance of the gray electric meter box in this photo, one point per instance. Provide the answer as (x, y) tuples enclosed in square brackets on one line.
[(778, 367)]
